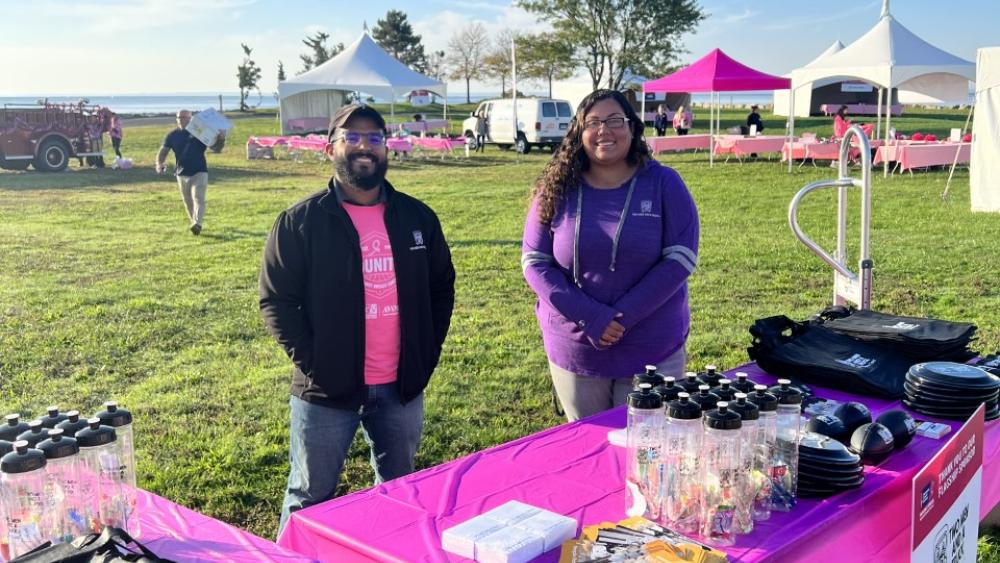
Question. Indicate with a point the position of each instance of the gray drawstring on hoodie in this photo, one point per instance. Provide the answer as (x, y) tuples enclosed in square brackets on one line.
[(618, 231)]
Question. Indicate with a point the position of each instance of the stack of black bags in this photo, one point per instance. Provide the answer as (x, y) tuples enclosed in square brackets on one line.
[(861, 352)]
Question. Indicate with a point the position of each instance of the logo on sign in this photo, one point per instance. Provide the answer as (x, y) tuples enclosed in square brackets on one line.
[(925, 496)]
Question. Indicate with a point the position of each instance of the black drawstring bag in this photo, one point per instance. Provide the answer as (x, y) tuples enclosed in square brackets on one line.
[(816, 355), (920, 339), (113, 545)]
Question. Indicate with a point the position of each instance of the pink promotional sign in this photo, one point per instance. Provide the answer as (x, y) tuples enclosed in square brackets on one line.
[(946, 497)]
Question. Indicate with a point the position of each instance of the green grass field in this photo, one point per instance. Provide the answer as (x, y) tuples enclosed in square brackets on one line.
[(105, 294)]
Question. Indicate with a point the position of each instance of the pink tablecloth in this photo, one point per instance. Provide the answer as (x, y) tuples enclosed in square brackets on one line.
[(742, 146), (573, 470), (180, 534), (268, 141), (860, 109), (311, 143), (920, 155), (437, 143), (678, 143), (398, 144), (815, 150)]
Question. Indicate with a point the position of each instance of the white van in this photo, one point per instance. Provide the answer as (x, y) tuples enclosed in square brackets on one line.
[(540, 122)]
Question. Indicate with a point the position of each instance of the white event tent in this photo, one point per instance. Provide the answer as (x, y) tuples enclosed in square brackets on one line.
[(362, 67), (891, 57), (803, 96), (984, 170)]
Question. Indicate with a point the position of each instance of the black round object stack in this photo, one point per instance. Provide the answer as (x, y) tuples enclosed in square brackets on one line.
[(873, 442), (853, 415), (901, 424), (828, 425), (950, 390), (826, 467)]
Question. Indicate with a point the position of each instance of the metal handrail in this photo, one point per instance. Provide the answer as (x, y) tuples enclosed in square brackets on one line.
[(848, 286)]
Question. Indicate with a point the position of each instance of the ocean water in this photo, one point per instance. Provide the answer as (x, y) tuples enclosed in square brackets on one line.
[(158, 104)]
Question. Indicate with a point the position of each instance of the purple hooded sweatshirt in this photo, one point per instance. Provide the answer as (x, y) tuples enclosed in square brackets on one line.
[(629, 252)]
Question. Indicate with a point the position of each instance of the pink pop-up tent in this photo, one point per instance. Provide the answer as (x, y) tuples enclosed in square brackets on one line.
[(715, 72)]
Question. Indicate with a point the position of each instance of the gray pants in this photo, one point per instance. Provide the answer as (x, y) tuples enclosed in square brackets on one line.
[(193, 190), (583, 395)]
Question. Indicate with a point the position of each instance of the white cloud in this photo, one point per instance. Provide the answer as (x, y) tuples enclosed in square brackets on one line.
[(735, 18), (105, 18)]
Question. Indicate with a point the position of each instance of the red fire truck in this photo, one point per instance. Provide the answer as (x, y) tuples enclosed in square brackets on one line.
[(46, 136)]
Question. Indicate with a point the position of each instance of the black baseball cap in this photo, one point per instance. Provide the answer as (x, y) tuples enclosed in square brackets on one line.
[(345, 113)]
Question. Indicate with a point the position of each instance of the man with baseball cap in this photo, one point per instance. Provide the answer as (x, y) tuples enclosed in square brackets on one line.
[(357, 286)]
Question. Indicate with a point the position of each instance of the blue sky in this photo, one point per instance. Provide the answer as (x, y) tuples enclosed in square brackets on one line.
[(78, 47)]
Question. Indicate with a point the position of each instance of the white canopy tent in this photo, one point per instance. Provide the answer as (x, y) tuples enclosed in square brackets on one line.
[(803, 96), (362, 67), (892, 57), (984, 170)]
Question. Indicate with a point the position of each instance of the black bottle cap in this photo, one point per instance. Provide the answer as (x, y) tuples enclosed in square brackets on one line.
[(725, 390), (644, 398), (786, 394), (5, 447), (668, 390), (746, 409), (683, 408), (13, 427), (690, 383), (72, 424), (34, 434), (705, 398), (649, 376), (722, 418), (95, 434), (22, 460), (53, 417), (743, 383), (765, 401), (114, 416), (58, 446)]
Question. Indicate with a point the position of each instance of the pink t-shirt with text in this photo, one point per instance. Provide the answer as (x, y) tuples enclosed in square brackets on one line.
[(381, 303)]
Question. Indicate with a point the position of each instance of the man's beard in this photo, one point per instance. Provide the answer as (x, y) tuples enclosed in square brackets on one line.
[(364, 180)]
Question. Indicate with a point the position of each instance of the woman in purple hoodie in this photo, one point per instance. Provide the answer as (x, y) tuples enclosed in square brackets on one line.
[(609, 243)]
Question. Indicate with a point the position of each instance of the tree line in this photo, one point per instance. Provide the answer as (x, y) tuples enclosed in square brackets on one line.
[(610, 39)]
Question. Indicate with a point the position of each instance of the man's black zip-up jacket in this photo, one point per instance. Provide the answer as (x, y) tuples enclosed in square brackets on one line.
[(312, 295)]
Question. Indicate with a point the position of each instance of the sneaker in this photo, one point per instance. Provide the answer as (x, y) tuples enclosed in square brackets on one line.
[(196, 229)]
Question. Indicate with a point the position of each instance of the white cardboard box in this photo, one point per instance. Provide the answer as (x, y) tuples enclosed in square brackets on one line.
[(461, 539), (509, 545), (512, 512), (207, 124), (553, 528)]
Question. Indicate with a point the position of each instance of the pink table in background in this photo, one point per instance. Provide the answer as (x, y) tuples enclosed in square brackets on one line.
[(920, 155), (183, 535), (742, 146), (309, 124), (398, 144), (859, 109), (314, 143), (678, 143), (443, 145), (573, 470)]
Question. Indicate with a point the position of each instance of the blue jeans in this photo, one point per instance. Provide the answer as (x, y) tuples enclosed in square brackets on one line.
[(321, 437)]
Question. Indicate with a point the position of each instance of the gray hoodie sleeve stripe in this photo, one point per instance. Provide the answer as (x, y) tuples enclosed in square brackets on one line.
[(683, 250), (682, 259), (530, 258)]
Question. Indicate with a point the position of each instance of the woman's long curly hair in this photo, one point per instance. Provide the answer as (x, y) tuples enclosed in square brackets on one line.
[(565, 171)]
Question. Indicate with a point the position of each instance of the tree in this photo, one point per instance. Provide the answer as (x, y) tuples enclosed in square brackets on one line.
[(498, 62), (281, 71), (545, 58), (437, 67), (612, 36), (466, 50), (395, 35), (248, 74), (320, 53)]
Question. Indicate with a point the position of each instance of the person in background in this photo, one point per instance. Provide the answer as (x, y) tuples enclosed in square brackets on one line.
[(610, 240), (840, 123), (660, 121), (753, 118), (682, 122), (115, 132), (190, 167), (357, 285), (482, 131)]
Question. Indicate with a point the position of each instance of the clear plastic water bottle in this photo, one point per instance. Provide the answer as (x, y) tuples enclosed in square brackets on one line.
[(65, 503), (721, 475), (34, 434), (785, 471), (643, 456), (121, 420), (750, 438), (690, 383), (53, 417), (103, 474), (5, 448), (705, 398), (649, 376), (72, 424), (711, 376), (22, 479), (682, 456), (764, 460), (725, 390), (12, 428), (743, 383), (668, 390)]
